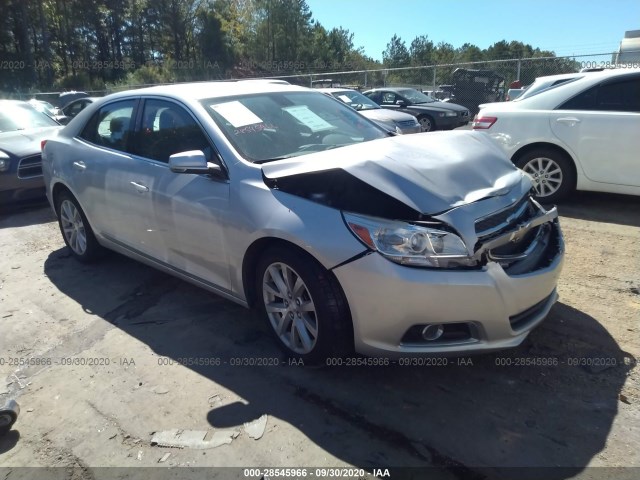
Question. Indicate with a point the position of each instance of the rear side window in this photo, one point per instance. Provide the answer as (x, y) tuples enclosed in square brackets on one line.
[(111, 126), (615, 96)]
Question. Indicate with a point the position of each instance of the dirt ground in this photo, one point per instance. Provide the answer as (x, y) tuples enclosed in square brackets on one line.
[(103, 357)]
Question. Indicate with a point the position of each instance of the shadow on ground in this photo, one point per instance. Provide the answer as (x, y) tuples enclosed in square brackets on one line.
[(25, 215), (549, 403), (602, 207)]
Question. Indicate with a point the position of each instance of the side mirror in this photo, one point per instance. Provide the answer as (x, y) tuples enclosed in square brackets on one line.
[(401, 103), (192, 161)]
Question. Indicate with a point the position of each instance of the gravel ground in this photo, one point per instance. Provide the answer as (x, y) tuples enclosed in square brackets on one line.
[(103, 357)]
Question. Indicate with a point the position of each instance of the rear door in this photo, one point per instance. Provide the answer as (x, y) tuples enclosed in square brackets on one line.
[(97, 156), (602, 127)]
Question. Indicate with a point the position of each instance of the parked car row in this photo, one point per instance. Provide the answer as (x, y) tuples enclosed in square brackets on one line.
[(394, 121)]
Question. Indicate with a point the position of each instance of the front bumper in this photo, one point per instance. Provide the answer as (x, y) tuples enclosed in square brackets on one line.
[(388, 300), (407, 130)]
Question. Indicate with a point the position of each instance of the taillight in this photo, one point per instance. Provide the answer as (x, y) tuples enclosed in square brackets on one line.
[(482, 122), (42, 144)]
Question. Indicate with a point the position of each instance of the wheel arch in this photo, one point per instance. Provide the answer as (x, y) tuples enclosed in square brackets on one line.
[(252, 257), (551, 146), (58, 189)]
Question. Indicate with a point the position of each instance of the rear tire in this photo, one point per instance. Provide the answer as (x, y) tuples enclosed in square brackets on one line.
[(304, 306), (75, 229), (552, 173)]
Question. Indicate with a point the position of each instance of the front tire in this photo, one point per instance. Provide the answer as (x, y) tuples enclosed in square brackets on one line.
[(304, 306), (427, 123), (75, 229), (552, 173)]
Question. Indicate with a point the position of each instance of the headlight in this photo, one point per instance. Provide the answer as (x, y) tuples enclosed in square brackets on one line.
[(410, 244), (450, 114), (4, 162)]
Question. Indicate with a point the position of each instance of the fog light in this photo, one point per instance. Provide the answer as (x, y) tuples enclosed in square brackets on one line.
[(432, 332)]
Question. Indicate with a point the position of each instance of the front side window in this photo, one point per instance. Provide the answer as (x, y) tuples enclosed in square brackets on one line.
[(414, 96), (111, 126), (271, 126), (168, 128)]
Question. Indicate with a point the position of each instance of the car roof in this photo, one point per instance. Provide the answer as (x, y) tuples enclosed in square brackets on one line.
[(391, 89), (202, 90), (551, 98), (335, 89)]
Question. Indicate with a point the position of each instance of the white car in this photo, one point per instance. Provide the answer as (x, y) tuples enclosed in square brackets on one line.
[(543, 84), (583, 134)]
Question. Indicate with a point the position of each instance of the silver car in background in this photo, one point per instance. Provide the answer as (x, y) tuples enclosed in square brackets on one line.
[(398, 122), (280, 198)]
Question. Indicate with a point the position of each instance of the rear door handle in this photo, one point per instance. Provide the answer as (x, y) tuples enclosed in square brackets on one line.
[(570, 120), (140, 188), (79, 166)]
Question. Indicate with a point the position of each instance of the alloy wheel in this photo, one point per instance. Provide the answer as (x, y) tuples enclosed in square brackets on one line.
[(73, 227), (290, 308), (546, 175)]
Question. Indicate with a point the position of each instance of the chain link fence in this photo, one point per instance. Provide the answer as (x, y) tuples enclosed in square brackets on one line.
[(467, 83)]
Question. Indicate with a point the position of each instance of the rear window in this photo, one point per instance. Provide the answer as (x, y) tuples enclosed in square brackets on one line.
[(542, 86)]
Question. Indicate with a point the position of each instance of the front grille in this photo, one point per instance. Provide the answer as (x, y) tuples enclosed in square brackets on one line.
[(406, 123), (30, 167), (498, 221)]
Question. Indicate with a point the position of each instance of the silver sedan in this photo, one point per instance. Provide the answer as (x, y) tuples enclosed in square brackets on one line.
[(345, 236)]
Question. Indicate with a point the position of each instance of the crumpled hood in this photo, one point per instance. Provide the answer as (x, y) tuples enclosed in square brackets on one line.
[(23, 143), (430, 173)]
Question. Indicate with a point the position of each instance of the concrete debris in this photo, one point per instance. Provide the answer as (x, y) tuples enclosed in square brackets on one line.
[(198, 439), (215, 400), (139, 454), (255, 429), (624, 399), (165, 457), (160, 389)]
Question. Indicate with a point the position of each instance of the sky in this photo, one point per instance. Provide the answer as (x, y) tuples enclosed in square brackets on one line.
[(566, 27)]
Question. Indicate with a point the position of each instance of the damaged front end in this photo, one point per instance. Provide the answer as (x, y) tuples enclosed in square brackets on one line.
[(454, 203), (521, 238)]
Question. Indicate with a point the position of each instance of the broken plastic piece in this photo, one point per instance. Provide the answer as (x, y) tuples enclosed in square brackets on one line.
[(256, 428), (198, 439)]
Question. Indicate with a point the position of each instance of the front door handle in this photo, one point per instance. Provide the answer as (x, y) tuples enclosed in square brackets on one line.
[(140, 188), (79, 166), (570, 120)]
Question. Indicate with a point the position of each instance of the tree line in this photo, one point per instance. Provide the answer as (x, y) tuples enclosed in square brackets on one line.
[(94, 44)]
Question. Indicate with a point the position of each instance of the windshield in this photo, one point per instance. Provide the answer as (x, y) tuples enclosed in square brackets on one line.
[(276, 125), (356, 100), (43, 106), (541, 85), (15, 117), (414, 96)]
